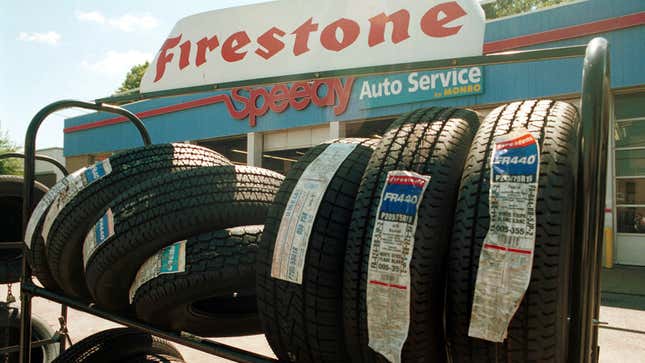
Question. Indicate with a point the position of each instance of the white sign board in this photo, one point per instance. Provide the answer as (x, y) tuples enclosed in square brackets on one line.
[(300, 36)]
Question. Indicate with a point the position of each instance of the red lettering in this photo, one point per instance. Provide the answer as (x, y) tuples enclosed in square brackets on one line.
[(232, 45), (400, 24), (350, 30), (184, 54), (235, 95), (328, 99), (280, 95), (165, 58), (301, 44), (344, 92), (256, 102), (203, 45), (435, 27), (299, 95), (255, 110), (272, 44)]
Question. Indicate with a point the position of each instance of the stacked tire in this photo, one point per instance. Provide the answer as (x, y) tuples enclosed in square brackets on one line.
[(350, 280), (303, 321), (320, 317), (101, 225), (11, 224), (369, 250), (539, 328), (121, 345), (10, 335)]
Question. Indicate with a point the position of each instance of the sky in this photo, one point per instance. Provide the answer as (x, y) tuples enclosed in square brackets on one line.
[(77, 49)]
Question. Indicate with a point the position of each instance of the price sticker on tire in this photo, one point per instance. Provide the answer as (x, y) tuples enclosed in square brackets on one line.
[(506, 257), (388, 275)]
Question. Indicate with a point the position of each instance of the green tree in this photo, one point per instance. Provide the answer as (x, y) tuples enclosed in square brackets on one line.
[(133, 78), (501, 8), (8, 166)]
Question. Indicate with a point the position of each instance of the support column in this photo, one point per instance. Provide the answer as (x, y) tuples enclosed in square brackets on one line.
[(336, 130), (254, 148)]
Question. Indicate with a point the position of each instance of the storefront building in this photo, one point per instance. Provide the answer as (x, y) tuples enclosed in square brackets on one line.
[(273, 125)]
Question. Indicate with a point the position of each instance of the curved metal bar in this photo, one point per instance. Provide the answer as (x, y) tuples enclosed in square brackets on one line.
[(595, 115), (28, 195), (46, 158)]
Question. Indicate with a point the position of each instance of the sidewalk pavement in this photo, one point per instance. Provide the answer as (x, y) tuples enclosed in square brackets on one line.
[(80, 325), (622, 339)]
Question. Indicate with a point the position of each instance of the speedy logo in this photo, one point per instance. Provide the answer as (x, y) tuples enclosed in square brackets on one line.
[(257, 102)]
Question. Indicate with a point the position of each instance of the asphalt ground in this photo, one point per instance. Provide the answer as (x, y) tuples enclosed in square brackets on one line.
[(621, 337)]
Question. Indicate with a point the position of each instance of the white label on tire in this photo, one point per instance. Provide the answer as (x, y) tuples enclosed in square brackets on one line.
[(506, 257), (76, 182), (42, 206), (101, 232), (69, 186), (169, 260), (298, 218), (388, 274)]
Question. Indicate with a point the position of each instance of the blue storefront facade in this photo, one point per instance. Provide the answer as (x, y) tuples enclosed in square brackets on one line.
[(272, 125)]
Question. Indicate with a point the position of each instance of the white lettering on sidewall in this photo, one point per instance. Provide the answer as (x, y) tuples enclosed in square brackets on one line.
[(401, 198), (507, 160)]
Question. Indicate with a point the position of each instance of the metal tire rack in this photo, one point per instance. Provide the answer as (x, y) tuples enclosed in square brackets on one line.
[(61, 335), (595, 112)]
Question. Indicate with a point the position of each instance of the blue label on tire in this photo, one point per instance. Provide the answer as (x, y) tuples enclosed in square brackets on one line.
[(516, 161), (97, 171), (170, 258)]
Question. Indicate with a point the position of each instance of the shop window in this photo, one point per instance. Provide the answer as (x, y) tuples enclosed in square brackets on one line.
[(630, 191), (631, 219), (630, 162), (629, 141), (630, 205), (630, 133)]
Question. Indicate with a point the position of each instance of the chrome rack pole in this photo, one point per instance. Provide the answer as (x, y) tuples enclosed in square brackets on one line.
[(28, 197), (590, 201)]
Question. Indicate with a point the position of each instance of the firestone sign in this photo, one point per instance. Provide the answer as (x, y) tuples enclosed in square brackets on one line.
[(299, 36)]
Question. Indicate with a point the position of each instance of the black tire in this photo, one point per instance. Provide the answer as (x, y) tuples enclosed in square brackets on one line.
[(11, 224), (117, 345), (538, 332), (304, 322), (34, 239), (215, 295), (432, 142), (38, 261), (129, 168), (172, 208), (10, 335), (153, 358)]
